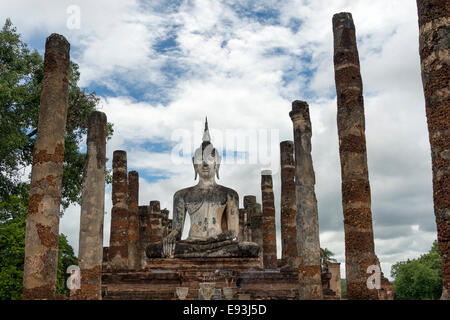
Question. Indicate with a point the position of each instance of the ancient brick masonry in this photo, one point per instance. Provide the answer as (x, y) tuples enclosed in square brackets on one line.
[(90, 252), (308, 244), (42, 227), (268, 216), (242, 218), (166, 222), (144, 233), (156, 229), (118, 244), (255, 220), (434, 47), (133, 220), (244, 225), (289, 255), (359, 243)]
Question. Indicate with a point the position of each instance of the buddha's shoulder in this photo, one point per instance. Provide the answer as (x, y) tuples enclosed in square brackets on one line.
[(183, 192), (227, 191)]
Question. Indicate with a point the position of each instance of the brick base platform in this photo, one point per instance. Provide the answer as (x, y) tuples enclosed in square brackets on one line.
[(161, 277)]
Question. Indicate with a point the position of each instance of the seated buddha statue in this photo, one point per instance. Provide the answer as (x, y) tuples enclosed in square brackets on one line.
[(214, 214)]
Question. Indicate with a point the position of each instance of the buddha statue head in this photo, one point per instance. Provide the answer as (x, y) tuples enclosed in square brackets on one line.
[(206, 159)]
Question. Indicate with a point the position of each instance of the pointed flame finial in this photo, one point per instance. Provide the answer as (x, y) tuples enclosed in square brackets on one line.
[(206, 136)]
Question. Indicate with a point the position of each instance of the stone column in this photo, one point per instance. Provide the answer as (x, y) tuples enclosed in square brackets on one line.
[(289, 255), (133, 220), (118, 243), (144, 233), (359, 243), (90, 251), (42, 226), (308, 244), (434, 47), (269, 230), (241, 224), (255, 221), (165, 222), (156, 222)]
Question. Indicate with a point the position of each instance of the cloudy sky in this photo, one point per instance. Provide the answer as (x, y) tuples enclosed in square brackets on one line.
[(160, 67)]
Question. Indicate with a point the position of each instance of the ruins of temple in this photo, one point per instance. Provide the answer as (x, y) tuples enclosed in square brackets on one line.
[(245, 267), (230, 252)]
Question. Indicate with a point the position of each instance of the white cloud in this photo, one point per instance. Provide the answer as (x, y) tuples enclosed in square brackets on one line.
[(243, 74)]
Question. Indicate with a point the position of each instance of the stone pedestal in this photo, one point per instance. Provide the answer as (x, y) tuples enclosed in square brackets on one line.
[(162, 276), (335, 281)]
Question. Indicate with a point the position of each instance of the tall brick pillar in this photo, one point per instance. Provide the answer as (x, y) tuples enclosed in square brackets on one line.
[(268, 213), (434, 47), (359, 243), (308, 244), (42, 226), (255, 221), (118, 243), (133, 220), (289, 254), (90, 251)]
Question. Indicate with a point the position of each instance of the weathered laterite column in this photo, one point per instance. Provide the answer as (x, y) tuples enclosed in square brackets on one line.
[(289, 255), (165, 221), (359, 243), (308, 244), (90, 252), (269, 230), (241, 224), (255, 221), (118, 243), (42, 226), (133, 220), (144, 234), (434, 46), (156, 222)]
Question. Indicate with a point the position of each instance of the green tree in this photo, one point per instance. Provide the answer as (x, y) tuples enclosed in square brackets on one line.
[(327, 256), (419, 278), (21, 74), (12, 255), (343, 289)]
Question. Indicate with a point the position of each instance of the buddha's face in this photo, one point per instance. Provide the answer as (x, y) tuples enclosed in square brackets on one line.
[(206, 168), (206, 163)]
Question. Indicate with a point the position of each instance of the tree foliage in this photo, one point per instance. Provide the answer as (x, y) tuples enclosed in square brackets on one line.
[(327, 256), (12, 255), (21, 74), (419, 279)]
